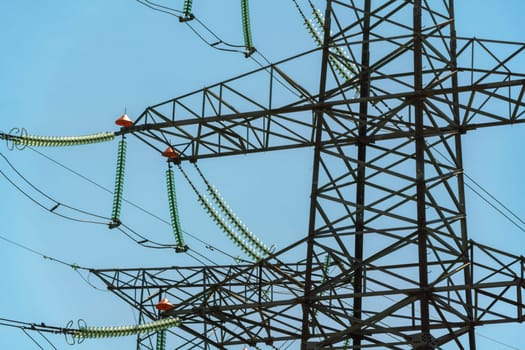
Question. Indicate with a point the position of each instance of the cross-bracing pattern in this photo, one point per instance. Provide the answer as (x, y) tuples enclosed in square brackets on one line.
[(388, 263)]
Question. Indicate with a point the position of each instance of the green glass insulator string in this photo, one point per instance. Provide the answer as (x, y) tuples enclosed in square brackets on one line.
[(58, 141), (246, 28), (324, 274), (174, 212), (223, 225), (219, 221), (123, 331), (230, 215), (119, 183), (161, 340), (186, 10), (346, 71)]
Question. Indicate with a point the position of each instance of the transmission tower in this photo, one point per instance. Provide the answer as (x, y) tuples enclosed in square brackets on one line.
[(388, 262)]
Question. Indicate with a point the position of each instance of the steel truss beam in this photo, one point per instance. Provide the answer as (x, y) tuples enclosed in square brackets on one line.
[(259, 304), (388, 261)]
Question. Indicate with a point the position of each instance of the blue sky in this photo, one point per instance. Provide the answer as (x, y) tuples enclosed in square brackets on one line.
[(73, 67)]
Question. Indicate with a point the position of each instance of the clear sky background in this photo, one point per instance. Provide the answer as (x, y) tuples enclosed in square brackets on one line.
[(73, 67)]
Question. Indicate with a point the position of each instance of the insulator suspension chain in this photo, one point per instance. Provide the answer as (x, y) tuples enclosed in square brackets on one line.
[(161, 340), (122, 331), (174, 212), (219, 221), (186, 11), (223, 225), (58, 141), (230, 215), (119, 184), (246, 28), (237, 222)]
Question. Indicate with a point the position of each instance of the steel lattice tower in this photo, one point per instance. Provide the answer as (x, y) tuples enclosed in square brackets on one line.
[(395, 90)]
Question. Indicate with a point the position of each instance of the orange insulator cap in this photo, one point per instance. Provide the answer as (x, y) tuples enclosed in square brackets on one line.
[(124, 120), (164, 305), (170, 153)]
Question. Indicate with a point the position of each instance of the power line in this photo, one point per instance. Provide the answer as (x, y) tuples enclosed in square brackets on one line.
[(33, 339), (142, 241), (494, 206), (51, 210), (173, 12), (38, 327), (77, 268), (497, 341), (496, 200), (207, 245), (47, 340), (58, 203), (45, 256), (219, 40)]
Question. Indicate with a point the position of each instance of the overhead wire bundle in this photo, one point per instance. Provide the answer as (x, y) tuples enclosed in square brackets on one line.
[(187, 16), (232, 217), (174, 212), (122, 331)]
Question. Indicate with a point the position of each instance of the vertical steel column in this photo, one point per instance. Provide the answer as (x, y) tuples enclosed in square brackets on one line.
[(364, 87), (420, 174), (319, 124), (461, 178)]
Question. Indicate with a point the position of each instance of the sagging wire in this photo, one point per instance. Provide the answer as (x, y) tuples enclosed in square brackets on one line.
[(119, 184), (224, 207), (218, 41), (41, 327), (47, 257), (183, 17), (207, 245), (51, 210), (76, 268), (118, 198), (57, 203), (33, 339), (223, 225), (47, 340), (174, 211), (78, 335), (491, 204), (143, 240)]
